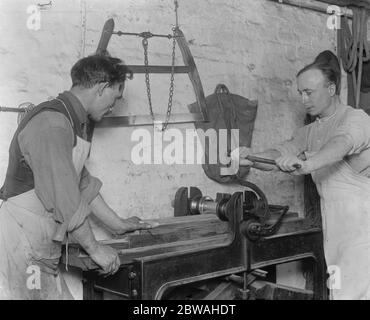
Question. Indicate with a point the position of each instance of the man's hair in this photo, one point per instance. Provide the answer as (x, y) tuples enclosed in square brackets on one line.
[(95, 69), (328, 63)]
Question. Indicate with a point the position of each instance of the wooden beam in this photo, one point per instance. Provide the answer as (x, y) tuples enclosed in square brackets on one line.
[(80, 259), (179, 229), (105, 37), (173, 229), (193, 74)]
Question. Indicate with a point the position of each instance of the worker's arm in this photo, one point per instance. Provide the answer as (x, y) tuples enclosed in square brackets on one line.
[(104, 256), (351, 137), (46, 144), (333, 151), (293, 147), (90, 187), (116, 224)]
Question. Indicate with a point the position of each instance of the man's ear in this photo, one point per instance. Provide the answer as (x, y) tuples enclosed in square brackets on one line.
[(101, 87)]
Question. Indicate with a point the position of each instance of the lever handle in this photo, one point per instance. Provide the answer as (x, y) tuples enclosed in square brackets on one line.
[(268, 161)]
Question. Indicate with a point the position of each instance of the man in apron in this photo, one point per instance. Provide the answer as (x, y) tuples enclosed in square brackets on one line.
[(335, 150), (48, 194)]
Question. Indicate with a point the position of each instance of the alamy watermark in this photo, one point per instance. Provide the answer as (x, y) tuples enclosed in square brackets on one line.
[(34, 18), (334, 279), (333, 21), (174, 147), (34, 280)]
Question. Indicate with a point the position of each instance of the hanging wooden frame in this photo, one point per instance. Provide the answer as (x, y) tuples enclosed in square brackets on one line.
[(189, 67)]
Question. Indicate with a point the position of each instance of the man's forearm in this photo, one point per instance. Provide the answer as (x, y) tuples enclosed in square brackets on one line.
[(333, 151), (85, 237), (104, 213)]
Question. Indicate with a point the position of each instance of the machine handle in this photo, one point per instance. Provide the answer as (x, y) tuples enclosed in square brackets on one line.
[(268, 161), (7, 109)]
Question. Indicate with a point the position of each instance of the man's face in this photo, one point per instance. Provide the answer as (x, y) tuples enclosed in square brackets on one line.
[(315, 92), (105, 100)]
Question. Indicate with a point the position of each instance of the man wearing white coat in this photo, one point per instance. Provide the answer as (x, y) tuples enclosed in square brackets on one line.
[(335, 150)]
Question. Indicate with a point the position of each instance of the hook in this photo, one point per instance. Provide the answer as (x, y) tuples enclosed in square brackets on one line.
[(42, 5)]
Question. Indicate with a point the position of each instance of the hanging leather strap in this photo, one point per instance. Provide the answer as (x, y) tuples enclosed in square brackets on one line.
[(230, 121), (222, 89)]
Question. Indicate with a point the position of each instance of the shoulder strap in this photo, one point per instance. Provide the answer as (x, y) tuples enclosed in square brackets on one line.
[(56, 105), (68, 113)]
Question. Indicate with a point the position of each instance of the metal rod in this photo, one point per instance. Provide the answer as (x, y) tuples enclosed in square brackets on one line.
[(158, 69), (260, 160), (144, 34), (314, 6), (7, 109), (267, 161), (144, 120)]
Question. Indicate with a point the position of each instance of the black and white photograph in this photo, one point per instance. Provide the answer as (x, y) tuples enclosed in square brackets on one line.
[(203, 151)]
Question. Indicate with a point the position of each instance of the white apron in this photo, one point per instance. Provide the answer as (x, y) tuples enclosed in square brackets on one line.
[(345, 206), (29, 257)]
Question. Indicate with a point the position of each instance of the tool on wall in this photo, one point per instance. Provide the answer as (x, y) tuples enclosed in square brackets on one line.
[(22, 110), (189, 67), (355, 50)]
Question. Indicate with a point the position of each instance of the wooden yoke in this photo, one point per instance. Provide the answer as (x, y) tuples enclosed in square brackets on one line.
[(189, 67)]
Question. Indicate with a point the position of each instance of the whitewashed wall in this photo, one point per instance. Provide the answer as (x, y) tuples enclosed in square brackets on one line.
[(254, 47)]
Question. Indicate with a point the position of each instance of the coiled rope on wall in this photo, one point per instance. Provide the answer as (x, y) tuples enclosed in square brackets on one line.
[(355, 49)]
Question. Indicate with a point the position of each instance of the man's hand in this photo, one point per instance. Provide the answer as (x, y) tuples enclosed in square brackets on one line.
[(114, 222), (289, 164), (106, 258), (132, 224)]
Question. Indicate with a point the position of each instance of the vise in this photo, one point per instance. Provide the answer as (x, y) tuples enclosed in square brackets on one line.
[(227, 248)]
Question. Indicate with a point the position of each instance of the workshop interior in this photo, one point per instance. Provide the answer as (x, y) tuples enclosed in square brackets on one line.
[(224, 65)]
